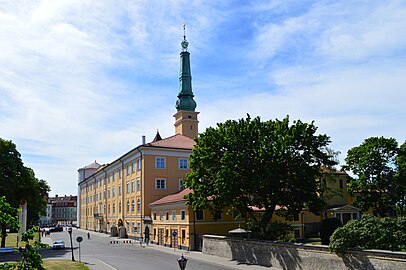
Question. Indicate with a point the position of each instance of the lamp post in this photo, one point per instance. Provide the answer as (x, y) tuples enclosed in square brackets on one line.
[(39, 231), (71, 244), (182, 262)]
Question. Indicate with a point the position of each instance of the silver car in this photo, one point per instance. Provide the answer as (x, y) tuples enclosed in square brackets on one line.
[(58, 244)]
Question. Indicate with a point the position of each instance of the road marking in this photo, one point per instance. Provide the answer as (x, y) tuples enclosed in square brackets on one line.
[(108, 265)]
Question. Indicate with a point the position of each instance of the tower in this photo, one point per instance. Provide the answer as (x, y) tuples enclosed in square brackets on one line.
[(186, 122)]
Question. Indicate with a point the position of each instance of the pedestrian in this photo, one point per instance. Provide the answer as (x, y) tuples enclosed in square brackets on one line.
[(88, 235)]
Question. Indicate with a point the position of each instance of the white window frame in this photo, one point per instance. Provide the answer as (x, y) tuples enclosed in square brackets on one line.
[(160, 183), (181, 164), (160, 162)]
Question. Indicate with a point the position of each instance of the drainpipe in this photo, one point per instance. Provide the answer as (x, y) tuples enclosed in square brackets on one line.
[(95, 204), (122, 196), (142, 187), (105, 197)]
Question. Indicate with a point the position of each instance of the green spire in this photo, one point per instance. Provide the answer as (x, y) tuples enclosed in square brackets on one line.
[(185, 100)]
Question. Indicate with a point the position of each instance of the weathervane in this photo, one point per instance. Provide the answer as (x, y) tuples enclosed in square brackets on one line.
[(184, 43)]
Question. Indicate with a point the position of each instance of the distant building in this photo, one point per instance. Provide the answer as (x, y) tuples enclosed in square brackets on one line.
[(47, 219), (64, 209)]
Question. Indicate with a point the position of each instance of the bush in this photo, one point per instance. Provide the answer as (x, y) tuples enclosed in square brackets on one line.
[(370, 233), (327, 227)]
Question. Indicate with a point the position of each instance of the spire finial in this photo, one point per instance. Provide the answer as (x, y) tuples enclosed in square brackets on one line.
[(184, 42)]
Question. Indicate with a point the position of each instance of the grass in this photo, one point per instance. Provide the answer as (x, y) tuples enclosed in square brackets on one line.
[(60, 264), (311, 241), (64, 264), (11, 240)]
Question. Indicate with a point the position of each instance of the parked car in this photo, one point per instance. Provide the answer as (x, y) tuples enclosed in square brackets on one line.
[(56, 229), (58, 244)]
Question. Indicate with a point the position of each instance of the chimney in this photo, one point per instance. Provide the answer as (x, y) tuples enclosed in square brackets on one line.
[(143, 139)]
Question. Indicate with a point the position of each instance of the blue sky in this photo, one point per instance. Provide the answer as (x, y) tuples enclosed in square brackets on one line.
[(84, 80)]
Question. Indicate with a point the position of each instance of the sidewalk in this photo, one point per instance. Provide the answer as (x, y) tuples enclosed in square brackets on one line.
[(98, 265)]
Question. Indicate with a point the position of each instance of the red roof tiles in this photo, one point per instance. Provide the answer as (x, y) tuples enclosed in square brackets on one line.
[(177, 197), (176, 141)]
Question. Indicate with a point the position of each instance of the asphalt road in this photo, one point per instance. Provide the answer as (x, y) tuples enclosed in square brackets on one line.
[(99, 254)]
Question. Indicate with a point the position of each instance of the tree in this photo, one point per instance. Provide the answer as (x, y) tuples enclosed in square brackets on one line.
[(246, 163), (373, 164), (19, 184), (8, 219), (400, 178), (370, 232)]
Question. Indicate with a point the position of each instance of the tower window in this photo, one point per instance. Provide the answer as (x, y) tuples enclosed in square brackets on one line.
[(189, 116)]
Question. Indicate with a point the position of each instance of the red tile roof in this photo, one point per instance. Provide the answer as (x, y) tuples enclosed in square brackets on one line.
[(177, 197), (176, 141)]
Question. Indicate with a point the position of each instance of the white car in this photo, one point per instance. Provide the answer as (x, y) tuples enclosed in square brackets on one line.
[(58, 244)]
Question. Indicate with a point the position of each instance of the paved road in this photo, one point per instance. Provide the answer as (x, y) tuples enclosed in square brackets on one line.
[(98, 254)]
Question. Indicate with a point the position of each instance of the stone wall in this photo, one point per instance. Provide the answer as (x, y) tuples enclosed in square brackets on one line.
[(299, 256)]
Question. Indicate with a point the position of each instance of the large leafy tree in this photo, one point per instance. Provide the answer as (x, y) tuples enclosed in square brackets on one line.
[(373, 164), (19, 184), (249, 163), (400, 178), (8, 218)]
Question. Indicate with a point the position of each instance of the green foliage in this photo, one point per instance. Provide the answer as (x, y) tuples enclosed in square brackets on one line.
[(264, 164), (19, 183), (276, 231), (370, 232), (400, 179), (31, 259), (327, 228), (373, 162), (8, 218)]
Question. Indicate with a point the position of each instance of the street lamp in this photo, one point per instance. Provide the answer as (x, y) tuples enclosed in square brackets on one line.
[(71, 245), (182, 262)]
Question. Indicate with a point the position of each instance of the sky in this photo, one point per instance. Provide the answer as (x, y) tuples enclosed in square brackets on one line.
[(84, 80)]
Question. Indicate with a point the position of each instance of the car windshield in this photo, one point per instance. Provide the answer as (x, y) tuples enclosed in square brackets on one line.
[(58, 242)]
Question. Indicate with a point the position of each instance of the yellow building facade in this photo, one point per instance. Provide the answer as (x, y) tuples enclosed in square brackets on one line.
[(118, 193)]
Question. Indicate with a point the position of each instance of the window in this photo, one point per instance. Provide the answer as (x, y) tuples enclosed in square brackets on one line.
[(138, 205), (166, 215), (127, 187), (138, 164), (182, 215), (183, 164), (108, 209), (199, 215), (119, 207), (132, 167), (160, 216), (108, 193), (113, 191), (138, 184), (341, 184), (154, 215), (114, 208), (160, 183), (132, 205), (112, 176), (132, 186), (108, 179), (119, 173), (128, 169), (119, 190), (104, 194), (218, 215), (128, 206), (160, 162), (173, 215), (133, 227), (181, 184)]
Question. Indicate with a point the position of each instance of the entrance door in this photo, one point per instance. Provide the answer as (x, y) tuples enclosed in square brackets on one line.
[(174, 238), (161, 237)]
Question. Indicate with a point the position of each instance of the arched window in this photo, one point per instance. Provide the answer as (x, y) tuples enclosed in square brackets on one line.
[(132, 205), (138, 205)]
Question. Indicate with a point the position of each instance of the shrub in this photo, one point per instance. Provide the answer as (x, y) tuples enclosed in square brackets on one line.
[(276, 230), (370, 233), (327, 227)]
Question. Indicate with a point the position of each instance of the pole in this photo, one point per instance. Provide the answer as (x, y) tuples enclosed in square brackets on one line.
[(71, 244), (79, 253)]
